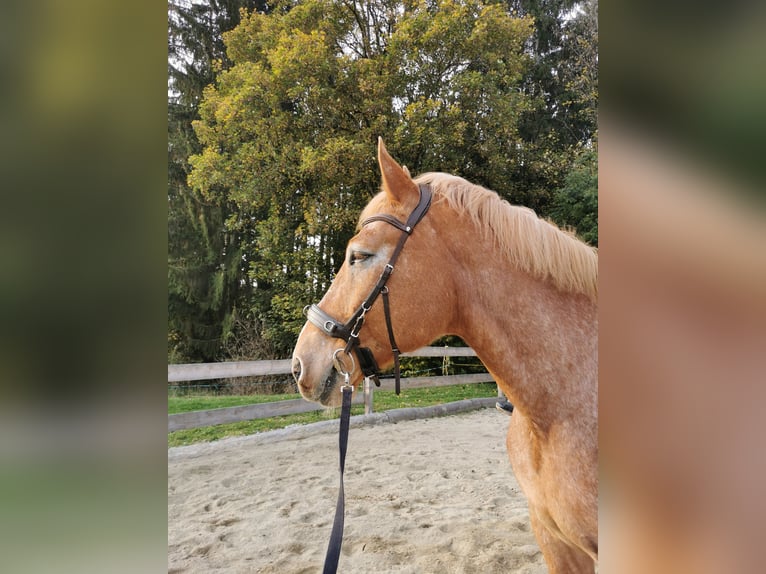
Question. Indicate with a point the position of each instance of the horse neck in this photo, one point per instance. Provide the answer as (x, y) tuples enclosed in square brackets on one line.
[(539, 343)]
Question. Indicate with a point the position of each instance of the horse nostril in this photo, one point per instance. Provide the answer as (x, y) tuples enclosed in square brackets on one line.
[(297, 369)]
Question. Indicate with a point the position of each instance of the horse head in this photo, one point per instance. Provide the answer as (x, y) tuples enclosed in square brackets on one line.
[(377, 262)]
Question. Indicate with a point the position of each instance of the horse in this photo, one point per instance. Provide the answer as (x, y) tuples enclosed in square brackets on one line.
[(519, 290)]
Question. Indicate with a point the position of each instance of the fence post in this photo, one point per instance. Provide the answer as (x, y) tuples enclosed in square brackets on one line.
[(367, 396)]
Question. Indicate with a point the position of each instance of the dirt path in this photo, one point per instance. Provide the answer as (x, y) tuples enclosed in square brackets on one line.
[(431, 495)]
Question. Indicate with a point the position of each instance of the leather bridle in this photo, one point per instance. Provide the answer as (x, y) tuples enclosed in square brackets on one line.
[(349, 331)]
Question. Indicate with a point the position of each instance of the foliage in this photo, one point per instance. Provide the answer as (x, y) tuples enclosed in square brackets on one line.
[(563, 78), (204, 275), (576, 203), (562, 83), (289, 130), (283, 160)]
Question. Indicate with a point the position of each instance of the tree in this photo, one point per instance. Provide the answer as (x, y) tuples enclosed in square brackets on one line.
[(281, 159), (578, 72), (576, 203), (573, 102), (562, 85), (204, 274), (289, 129)]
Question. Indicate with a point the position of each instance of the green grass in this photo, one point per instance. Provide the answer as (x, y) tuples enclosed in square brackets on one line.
[(204, 402), (383, 401)]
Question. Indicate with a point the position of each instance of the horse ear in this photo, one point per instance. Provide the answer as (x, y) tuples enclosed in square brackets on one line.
[(397, 182)]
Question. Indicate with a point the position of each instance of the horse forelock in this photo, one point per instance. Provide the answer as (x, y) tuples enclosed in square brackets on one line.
[(536, 246)]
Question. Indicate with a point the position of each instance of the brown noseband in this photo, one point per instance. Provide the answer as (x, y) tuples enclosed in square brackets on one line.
[(349, 331)]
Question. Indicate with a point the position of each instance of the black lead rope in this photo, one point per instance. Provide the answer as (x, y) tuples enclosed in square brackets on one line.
[(349, 332), (336, 538)]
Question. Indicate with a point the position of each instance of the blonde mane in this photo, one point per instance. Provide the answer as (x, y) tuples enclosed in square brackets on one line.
[(534, 245)]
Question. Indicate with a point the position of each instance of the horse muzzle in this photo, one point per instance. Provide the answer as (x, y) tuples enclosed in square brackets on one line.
[(318, 382)]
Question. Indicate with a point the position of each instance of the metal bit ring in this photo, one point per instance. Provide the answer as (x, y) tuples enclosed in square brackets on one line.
[(339, 366)]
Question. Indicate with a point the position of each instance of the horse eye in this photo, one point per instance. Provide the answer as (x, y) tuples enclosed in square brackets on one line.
[(358, 257)]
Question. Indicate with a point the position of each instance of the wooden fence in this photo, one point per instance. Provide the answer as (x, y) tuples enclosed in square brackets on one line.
[(206, 371)]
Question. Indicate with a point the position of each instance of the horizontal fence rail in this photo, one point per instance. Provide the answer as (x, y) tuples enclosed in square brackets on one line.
[(230, 370), (205, 371)]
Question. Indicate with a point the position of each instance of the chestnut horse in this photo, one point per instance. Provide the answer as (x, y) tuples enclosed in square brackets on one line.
[(523, 294)]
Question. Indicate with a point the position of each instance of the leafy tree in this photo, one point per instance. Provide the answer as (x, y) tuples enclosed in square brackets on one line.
[(576, 203), (282, 153), (289, 130)]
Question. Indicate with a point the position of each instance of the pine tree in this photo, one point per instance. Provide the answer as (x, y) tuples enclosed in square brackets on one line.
[(204, 271), (562, 83)]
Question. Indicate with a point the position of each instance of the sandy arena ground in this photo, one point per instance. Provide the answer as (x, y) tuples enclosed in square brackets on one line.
[(430, 495)]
